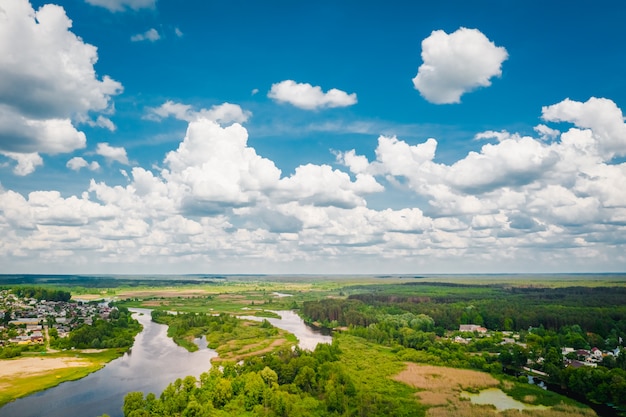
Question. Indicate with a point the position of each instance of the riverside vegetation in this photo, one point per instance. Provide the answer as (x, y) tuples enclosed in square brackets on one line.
[(398, 336), (98, 335)]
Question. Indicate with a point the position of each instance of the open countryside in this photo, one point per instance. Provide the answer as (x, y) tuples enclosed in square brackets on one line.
[(401, 345), (312, 208)]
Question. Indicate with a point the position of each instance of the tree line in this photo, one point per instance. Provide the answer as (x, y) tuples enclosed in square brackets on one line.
[(118, 331), (544, 325), (286, 383), (41, 293)]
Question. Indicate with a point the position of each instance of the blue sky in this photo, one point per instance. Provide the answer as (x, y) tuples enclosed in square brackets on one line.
[(154, 136)]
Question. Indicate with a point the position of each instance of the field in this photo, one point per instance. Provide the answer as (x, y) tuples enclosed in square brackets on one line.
[(25, 375), (379, 369), (441, 389)]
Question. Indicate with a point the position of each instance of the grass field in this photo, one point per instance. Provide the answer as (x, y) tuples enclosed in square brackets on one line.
[(441, 389), (41, 374), (376, 368)]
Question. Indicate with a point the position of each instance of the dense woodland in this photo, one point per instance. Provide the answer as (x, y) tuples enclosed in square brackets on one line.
[(42, 293), (412, 322), (600, 310), (287, 383), (546, 319)]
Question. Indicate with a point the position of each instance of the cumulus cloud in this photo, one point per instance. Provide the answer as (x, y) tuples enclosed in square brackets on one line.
[(49, 83), (112, 153), (19, 133), (26, 162), (151, 35), (308, 97), (121, 5), (224, 113), (216, 203), (456, 63), (560, 179), (77, 163), (320, 185), (601, 115), (216, 169)]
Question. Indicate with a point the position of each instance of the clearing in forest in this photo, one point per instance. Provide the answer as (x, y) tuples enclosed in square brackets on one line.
[(440, 388)]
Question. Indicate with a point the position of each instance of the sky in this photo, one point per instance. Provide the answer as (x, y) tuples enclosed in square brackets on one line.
[(327, 137)]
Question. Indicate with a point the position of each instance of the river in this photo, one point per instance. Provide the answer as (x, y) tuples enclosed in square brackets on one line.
[(290, 321), (154, 362)]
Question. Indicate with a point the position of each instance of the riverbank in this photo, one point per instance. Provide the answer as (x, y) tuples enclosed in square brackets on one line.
[(26, 375)]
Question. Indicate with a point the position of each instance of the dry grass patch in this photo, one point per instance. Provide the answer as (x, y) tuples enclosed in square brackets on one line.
[(234, 298), (458, 408), (556, 411), (245, 351), (433, 398), (163, 292), (438, 378), (440, 389)]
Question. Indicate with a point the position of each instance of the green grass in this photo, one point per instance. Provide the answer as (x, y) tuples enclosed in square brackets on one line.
[(371, 367), (522, 391), (20, 386)]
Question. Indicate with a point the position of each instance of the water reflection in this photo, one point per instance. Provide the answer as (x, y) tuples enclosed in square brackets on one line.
[(155, 361), (499, 399), (291, 322)]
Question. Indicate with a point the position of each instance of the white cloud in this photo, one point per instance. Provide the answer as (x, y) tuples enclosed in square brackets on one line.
[(106, 123), (19, 133), (356, 163), (26, 162), (224, 113), (112, 153), (512, 162), (178, 32), (601, 115), (457, 63), (515, 203), (320, 185), (76, 163), (308, 97), (151, 35), (48, 82), (121, 5), (545, 132), (47, 54)]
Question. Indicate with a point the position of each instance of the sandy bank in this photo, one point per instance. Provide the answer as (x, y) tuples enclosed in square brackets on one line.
[(35, 365)]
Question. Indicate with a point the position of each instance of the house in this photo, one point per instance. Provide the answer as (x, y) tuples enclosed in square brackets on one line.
[(472, 328), (596, 353), (578, 364)]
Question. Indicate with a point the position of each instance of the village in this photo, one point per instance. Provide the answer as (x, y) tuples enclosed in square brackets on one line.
[(572, 357), (25, 321)]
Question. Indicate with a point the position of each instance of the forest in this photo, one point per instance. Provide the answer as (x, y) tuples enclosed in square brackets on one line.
[(547, 320), (43, 293), (287, 383), (380, 326)]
